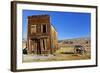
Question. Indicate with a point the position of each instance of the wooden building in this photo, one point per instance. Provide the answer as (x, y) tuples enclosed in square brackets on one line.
[(42, 36)]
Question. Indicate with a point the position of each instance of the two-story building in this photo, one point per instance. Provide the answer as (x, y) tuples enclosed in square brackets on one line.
[(41, 35)]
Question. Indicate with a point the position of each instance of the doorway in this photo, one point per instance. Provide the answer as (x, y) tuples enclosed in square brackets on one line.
[(38, 46)]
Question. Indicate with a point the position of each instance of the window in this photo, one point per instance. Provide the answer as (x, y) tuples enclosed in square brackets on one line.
[(44, 28), (33, 29)]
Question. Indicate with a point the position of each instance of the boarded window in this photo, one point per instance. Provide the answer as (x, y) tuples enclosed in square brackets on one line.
[(33, 29)]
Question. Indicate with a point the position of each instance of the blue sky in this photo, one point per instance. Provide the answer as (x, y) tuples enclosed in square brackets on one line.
[(68, 24)]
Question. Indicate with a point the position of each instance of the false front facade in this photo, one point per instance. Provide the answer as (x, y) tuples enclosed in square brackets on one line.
[(42, 36)]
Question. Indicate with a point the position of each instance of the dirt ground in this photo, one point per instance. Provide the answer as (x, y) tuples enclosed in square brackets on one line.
[(56, 57)]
